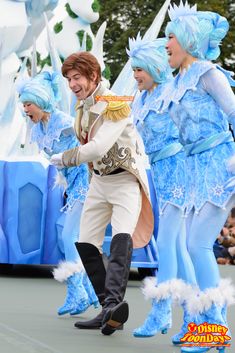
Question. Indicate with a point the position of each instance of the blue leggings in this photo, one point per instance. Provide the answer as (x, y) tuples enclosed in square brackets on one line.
[(203, 229), (174, 260), (70, 233), (185, 266)]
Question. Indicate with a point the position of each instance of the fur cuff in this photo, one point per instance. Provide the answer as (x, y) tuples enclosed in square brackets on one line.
[(67, 269), (222, 295), (177, 289)]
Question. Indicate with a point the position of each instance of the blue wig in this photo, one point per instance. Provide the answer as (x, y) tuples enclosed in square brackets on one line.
[(42, 90), (151, 56), (198, 32)]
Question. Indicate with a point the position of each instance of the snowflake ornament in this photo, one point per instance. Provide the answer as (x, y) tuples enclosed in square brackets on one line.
[(178, 192), (218, 190)]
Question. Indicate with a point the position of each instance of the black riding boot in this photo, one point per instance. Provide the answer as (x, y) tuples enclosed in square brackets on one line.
[(116, 310), (94, 266)]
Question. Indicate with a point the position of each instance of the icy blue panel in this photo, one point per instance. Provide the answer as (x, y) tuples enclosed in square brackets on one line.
[(29, 218)]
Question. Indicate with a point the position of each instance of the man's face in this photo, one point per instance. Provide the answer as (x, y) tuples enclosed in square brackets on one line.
[(80, 85)]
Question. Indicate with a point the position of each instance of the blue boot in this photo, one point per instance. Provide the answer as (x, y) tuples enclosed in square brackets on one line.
[(211, 316), (93, 300), (224, 316), (184, 328), (159, 319), (81, 299), (76, 300)]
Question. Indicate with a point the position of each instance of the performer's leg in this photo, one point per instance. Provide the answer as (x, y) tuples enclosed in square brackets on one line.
[(170, 225), (95, 217), (187, 274), (203, 232), (71, 271), (71, 230), (204, 229), (124, 194), (185, 266), (159, 319)]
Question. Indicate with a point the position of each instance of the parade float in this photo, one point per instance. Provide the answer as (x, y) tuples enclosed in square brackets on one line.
[(30, 204)]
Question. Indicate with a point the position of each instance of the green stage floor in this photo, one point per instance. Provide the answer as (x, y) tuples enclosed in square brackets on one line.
[(29, 298)]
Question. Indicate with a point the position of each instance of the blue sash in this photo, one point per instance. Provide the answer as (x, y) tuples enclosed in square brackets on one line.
[(165, 152), (208, 143)]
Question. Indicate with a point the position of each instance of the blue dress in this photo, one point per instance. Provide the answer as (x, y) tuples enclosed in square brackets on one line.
[(201, 104), (160, 137), (57, 137)]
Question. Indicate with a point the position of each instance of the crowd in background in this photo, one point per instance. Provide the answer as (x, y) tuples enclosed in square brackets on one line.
[(224, 247)]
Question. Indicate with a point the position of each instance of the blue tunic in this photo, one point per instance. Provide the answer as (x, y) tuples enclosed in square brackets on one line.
[(201, 103), (57, 137), (160, 137)]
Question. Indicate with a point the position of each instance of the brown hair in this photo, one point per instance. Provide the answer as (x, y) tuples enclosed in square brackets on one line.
[(85, 63)]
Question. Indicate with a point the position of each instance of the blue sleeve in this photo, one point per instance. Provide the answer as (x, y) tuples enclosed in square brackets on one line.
[(217, 85)]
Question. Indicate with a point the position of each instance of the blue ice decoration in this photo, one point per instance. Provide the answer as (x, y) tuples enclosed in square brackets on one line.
[(29, 209)]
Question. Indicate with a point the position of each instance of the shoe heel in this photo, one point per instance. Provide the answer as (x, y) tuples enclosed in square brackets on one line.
[(164, 331)]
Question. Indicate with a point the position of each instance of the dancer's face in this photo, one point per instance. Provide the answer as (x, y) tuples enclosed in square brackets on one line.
[(80, 85), (177, 56), (144, 79), (35, 113)]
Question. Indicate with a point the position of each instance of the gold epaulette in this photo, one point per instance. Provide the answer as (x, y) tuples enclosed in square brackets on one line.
[(116, 110)]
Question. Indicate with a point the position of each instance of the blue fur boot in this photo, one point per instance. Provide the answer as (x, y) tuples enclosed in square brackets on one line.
[(80, 297), (184, 328), (210, 316), (224, 316), (76, 300), (159, 319), (93, 300)]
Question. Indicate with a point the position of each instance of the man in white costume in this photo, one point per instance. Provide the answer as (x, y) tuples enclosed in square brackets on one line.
[(118, 192)]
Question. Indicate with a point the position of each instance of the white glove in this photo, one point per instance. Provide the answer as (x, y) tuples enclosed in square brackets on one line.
[(56, 160)]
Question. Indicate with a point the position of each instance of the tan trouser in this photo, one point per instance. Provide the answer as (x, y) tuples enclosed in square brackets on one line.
[(114, 199)]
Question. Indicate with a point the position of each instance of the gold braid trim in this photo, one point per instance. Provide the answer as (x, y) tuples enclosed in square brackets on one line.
[(77, 104), (116, 111)]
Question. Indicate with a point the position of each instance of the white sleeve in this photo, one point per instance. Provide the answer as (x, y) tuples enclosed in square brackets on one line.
[(103, 140), (217, 85)]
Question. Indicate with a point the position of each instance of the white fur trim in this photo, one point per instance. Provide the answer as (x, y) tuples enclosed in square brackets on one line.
[(67, 269), (60, 181), (221, 295), (175, 288), (181, 291)]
